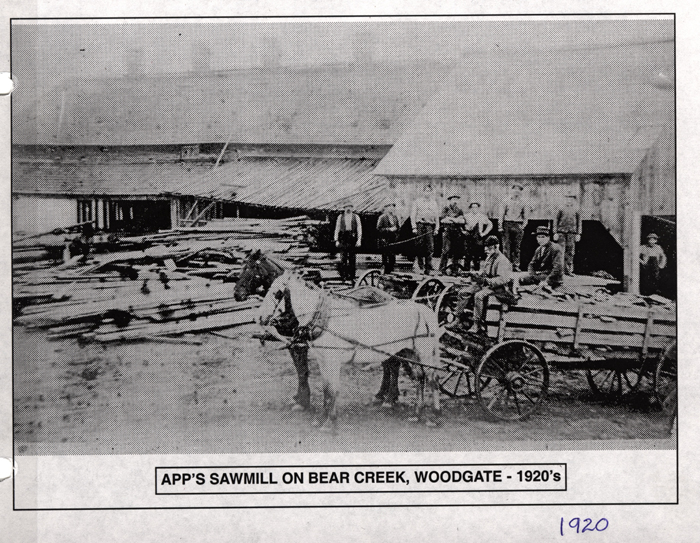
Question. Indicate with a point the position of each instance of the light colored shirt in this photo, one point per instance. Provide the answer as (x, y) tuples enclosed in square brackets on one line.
[(347, 218), (514, 210), (478, 219), (425, 210), (648, 251)]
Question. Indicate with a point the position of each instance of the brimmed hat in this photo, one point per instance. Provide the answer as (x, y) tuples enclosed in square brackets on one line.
[(542, 231), (517, 186), (348, 204), (491, 241), (389, 204), (474, 204), (453, 197), (652, 235)]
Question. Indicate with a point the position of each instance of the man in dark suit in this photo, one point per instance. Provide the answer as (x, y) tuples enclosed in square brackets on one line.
[(348, 238), (547, 265), (387, 234)]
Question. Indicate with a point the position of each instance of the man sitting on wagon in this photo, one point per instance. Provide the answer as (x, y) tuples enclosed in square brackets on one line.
[(547, 265), (495, 277)]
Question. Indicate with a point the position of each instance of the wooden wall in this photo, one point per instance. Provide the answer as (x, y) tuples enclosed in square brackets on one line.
[(37, 214)]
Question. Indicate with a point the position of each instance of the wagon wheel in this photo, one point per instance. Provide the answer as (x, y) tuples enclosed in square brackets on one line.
[(428, 291), (455, 382), (666, 374), (371, 277), (512, 379), (609, 383), (446, 306)]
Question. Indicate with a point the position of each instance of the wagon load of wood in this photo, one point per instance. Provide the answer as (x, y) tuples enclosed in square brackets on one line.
[(585, 323)]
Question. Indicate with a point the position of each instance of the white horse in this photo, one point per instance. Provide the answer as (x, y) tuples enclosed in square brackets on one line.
[(343, 330)]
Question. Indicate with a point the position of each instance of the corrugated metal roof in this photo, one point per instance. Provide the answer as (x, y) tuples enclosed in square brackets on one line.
[(342, 104), (554, 113), (105, 179), (297, 183)]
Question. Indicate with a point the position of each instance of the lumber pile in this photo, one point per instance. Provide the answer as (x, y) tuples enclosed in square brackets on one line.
[(167, 284)]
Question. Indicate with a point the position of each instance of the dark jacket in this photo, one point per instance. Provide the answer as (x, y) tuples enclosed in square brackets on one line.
[(385, 222), (549, 261)]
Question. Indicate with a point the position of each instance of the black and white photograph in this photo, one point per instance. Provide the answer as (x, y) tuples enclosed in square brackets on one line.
[(339, 236)]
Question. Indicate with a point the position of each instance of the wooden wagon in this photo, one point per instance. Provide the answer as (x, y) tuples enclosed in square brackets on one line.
[(621, 346)]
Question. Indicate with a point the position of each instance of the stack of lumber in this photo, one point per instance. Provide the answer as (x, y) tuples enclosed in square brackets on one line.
[(134, 312), (167, 287), (609, 322)]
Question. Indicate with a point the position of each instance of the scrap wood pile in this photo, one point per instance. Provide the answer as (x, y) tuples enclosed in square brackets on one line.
[(588, 322), (180, 282)]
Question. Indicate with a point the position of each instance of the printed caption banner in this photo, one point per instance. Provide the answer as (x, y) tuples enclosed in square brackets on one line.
[(358, 479)]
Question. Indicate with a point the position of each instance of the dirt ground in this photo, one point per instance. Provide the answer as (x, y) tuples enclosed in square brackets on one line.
[(232, 395)]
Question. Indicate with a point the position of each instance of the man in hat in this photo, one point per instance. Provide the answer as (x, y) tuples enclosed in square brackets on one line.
[(387, 234), (348, 238), (567, 230), (511, 225), (547, 265), (425, 222), (494, 279), (452, 220), (477, 226), (653, 260)]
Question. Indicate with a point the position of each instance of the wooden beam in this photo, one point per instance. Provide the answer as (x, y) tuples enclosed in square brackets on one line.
[(579, 323), (194, 221)]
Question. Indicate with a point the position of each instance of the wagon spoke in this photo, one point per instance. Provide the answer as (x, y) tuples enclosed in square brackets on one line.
[(533, 402), (517, 403), (459, 380), (496, 397)]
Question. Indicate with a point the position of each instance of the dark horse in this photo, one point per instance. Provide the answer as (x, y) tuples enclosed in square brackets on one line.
[(258, 273)]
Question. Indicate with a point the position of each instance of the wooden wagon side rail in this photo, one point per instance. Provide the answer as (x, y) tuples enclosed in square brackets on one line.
[(578, 325)]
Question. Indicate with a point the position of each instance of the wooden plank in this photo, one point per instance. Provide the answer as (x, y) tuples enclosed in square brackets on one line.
[(647, 334), (530, 303), (547, 320), (202, 324), (587, 338), (579, 323), (502, 322)]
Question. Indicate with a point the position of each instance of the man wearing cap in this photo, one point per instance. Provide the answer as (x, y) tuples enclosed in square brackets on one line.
[(348, 237), (452, 220), (511, 224), (494, 277), (547, 265), (653, 260), (567, 230), (425, 222), (387, 234), (477, 226)]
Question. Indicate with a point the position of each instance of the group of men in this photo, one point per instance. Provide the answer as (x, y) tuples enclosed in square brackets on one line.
[(463, 234)]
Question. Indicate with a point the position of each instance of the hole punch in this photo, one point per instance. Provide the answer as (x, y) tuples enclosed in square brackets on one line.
[(7, 83)]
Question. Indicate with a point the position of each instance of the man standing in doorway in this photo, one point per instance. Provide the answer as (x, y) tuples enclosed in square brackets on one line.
[(567, 230), (425, 222), (477, 226), (653, 260), (511, 224), (452, 219), (348, 238), (387, 234)]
